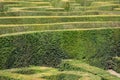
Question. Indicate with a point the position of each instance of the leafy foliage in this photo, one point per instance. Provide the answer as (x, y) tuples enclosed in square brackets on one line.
[(6, 78), (49, 48), (63, 77)]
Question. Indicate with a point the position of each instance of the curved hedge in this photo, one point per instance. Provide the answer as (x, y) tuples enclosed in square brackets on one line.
[(48, 48)]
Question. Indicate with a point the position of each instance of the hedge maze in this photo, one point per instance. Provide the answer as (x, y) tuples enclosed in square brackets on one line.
[(59, 39)]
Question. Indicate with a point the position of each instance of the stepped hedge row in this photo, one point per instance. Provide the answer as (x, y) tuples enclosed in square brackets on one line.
[(54, 19), (56, 26), (96, 47)]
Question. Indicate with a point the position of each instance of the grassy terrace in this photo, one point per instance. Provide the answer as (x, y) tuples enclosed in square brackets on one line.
[(59, 39)]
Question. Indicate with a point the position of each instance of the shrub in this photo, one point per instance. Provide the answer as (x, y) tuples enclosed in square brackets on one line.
[(49, 48)]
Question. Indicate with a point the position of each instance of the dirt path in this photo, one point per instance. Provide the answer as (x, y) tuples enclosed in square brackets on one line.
[(114, 73)]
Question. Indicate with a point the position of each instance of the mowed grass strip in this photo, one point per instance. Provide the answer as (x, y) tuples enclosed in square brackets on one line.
[(56, 19)]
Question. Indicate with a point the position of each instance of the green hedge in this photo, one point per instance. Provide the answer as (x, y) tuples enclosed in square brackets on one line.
[(52, 13), (6, 78), (48, 48), (54, 19), (32, 49), (40, 27), (108, 7), (39, 13), (116, 61)]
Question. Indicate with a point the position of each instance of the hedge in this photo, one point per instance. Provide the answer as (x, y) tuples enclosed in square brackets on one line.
[(54, 19), (116, 61), (52, 13), (49, 48), (4, 29)]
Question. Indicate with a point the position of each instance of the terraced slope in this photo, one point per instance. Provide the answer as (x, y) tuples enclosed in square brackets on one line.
[(43, 32), (18, 16)]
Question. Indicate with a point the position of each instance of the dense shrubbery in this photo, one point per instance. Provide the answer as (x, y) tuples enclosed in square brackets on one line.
[(33, 49), (116, 61), (93, 46)]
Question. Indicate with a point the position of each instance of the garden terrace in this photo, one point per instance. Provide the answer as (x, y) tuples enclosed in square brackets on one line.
[(72, 39)]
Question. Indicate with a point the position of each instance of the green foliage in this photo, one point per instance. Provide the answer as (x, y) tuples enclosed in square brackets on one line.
[(49, 48), (116, 60), (108, 7), (67, 65), (67, 6), (85, 2), (57, 19), (3, 8), (71, 25), (6, 78), (63, 76), (96, 47), (33, 49), (27, 71)]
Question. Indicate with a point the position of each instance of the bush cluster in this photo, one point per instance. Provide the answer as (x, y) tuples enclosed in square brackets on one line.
[(49, 48)]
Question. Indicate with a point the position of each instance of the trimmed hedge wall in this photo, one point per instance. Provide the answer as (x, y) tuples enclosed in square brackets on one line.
[(48, 48), (54, 19), (116, 61), (56, 26)]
